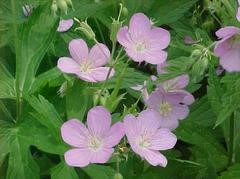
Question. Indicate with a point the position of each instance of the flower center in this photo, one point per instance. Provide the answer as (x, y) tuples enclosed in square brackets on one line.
[(140, 46), (143, 141), (165, 108), (85, 66), (94, 143)]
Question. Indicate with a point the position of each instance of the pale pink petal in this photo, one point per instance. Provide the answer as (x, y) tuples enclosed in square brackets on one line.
[(78, 157), (180, 111), (169, 122), (188, 99), (135, 56), (68, 65), (99, 120), (181, 81), (131, 127), (222, 47), (74, 133), (154, 56), (78, 50), (27, 10), (155, 158), (102, 156), (115, 134), (155, 98), (100, 73), (159, 38), (99, 54), (227, 31), (139, 25), (231, 60), (160, 67), (149, 120), (189, 40), (163, 139), (86, 76), (123, 36), (65, 25)]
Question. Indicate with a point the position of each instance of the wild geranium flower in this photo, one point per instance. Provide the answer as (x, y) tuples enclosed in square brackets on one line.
[(86, 65), (169, 107), (228, 48), (27, 10), (178, 84), (146, 137), (65, 25), (93, 144), (142, 41)]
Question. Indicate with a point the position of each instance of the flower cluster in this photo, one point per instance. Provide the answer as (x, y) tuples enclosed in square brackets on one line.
[(149, 132)]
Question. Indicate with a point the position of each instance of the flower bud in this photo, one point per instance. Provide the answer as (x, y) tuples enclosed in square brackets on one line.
[(118, 176), (125, 11), (114, 30), (86, 29), (62, 5), (54, 7), (69, 3)]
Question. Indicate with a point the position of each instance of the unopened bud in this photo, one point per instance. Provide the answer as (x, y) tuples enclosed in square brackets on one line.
[(62, 5), (114, 30), (124, 11), (85, 28), (54, 7), (118, 176)]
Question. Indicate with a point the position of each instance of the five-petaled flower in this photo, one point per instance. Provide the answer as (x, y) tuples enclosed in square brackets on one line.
[(93, 144), (228, 48), (146, 137), (169, 107), (86, 65), (142, 42)]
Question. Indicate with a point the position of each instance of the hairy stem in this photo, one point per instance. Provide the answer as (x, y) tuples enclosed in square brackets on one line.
[(231, 140)]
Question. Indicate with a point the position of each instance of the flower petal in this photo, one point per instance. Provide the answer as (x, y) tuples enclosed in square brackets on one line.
[(86, 76), (68, 65), (238, 14), (99, 54), (78, 50), (98, 120), (100, 73), (139, 25), (78, 157), (102, 156), (169, 122), (231, 60), (123, 36), (74, 133), (131, 127), (115, 134), (222, 47), (227, 31), (154, 56), (159, 38), (163, 139), (155, 158), (65, 25), (180, 111), (149, 120)]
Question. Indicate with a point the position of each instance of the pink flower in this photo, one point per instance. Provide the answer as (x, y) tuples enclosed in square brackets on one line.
[(86, 65), (169, 107), (228, 48), (143, 42), (93, 144), (189, 40), (65, 25), (142, 89), (146, 137), (178, 84)]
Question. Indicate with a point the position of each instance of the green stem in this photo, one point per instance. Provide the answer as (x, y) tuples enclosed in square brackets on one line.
[(16, 43), (231, 140), (100, 31)]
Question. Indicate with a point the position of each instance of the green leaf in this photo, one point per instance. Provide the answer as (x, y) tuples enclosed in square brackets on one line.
[(197, 130), (63, 171), (46, 114), (33, 41), (169, 11), (44, 79), (21, 163), (232, 172), (7, 83), (230, 99), (78, 100), (99, 171)]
